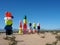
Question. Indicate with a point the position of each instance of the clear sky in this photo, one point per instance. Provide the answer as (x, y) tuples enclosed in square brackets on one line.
[(47, 12)]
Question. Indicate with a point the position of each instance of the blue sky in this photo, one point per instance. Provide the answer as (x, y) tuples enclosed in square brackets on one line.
[(47, 12)]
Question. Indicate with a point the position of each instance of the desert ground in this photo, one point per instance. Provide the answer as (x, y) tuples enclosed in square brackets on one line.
[(46, 38)]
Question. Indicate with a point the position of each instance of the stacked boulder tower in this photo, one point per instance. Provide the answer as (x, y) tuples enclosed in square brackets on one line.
[(38, 28), (8, 23), (30, 28), (24, 24), (20, 27), (34, 27)]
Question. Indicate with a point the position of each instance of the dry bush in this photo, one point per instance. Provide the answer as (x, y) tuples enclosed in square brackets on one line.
[(57, 37), (48, 44), (54, 32)]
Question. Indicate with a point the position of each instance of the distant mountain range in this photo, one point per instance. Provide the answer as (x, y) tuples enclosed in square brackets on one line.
[(16, 30)]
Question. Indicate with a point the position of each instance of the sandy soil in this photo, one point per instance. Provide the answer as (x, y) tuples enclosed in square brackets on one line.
[(31, 39)]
